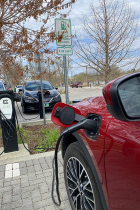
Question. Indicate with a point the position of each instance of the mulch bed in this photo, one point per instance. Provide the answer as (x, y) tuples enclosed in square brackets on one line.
[(33, 133)]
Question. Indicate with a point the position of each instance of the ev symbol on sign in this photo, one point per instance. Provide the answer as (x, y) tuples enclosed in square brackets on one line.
[(63, 25)]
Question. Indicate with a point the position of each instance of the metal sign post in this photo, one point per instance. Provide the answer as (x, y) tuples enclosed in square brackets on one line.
[(66, 78), (39, 66), (37, 63)]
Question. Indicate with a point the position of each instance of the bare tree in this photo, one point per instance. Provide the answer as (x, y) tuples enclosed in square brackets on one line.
[(17, 39), (110, 32), (11, 71), (14, 13)]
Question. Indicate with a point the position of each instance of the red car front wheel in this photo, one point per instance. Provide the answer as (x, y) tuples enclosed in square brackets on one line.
[(79, 180)]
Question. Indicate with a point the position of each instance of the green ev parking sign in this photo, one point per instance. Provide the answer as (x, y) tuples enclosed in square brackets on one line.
[(63, 27)]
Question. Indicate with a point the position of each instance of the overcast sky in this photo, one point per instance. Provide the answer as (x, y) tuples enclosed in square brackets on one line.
[(83, 7), (79, 8)]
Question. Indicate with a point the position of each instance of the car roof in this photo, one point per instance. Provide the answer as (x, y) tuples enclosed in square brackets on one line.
[(33, 81)]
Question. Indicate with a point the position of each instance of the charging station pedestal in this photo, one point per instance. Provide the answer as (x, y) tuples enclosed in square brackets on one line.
[(6, 102)]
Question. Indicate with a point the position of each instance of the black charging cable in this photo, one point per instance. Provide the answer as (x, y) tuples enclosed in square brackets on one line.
[(87, 124), (21, 135), (23, 116), (8, 122), (12, 128), (7, 139), (55, 173), (45, 148), (36, 147)]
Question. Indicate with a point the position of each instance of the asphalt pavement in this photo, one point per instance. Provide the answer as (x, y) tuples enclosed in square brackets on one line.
[(29, 116)]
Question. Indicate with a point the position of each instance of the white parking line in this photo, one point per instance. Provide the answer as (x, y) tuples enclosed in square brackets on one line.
[(12, 170)]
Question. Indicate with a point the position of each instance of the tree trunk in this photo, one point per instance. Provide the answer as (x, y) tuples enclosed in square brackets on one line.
[(107, 76), (106, 46)]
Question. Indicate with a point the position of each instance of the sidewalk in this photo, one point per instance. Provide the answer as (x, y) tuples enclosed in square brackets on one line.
[(26, 181)]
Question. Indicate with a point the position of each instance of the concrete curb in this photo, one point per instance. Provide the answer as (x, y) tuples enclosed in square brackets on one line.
[(37, 122), (27, 157)]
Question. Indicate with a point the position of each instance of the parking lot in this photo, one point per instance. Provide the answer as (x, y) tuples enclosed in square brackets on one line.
[(74, 94)]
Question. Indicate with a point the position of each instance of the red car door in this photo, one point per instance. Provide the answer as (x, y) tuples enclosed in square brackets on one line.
[(122, 163)]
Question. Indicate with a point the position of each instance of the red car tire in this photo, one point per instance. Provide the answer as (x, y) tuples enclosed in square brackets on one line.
[(79, 180)]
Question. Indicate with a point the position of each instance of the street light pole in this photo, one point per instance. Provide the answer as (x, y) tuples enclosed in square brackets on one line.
[(66, 78), (39, 65), (65, 75)]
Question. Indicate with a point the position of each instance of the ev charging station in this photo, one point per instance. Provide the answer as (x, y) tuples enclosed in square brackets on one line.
[(7, 118)]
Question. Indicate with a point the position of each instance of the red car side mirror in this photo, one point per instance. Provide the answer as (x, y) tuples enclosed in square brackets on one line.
[(122, 97)]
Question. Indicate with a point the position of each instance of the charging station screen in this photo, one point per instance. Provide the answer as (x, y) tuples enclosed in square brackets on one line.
[(6, 107)]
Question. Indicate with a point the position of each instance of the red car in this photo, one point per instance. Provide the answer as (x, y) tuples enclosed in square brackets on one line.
[(102, 166), (77, 84)]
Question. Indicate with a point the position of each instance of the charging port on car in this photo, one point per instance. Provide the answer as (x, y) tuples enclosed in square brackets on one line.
[(94, 134)]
